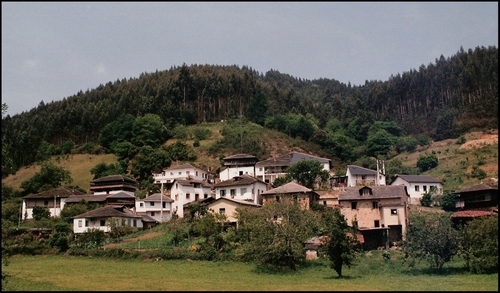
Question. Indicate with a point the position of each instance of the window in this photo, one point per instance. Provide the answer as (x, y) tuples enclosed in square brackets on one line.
[(417, 188), (222, 192), (79, 223), (102, 223), (243, 191), (277, 198), (425, 188), (363, 177), (375, 206), (354, 205), (46, 203), (171, 173), (295, 197), (180, 172), (205, 195), (152, 203), (196, 196), (366, 191), (176, 197), (164, 204), (324, 202), (222, 210), (86, 223), (377, 223), (394, 211), (135, 223), (196, 173), (152, 214), (188, 195), (141, 204), (233, 192), (260, 169), (241, 173)]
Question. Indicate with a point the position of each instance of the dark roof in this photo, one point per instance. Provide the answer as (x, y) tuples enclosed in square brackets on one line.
[(279, 161), (382, 191), (158, 197), (357, 170), (148, 219), (56, 192), (241, 202), (87, 198), (477, 187), (112, 178), (418, 178), (108, 211), (290, 187), (238, 181), (297, 157), (188, 182)]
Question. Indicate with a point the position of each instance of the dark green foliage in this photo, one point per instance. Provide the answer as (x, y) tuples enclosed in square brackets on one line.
[(117, 131), (426, 162), (50, 176), (40, 213), (426, 200), (178, 151), (478, 173), (308, 173), (431, 237), (479, 245), (45, 151), (342, 246), (125, 150), (201, 133), (446, 126), (103, 169), (92, 238), (281, 181), (59, 240), (380, 143), (148, 130), (257, 110), (276, 234), (448, 201), (294, 125), (11, 209)]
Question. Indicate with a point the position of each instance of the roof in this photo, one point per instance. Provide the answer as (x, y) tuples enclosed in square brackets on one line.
[(357, 170), (418, 178), (113, 178), (148, 219), (279, 161), (190, 182), (201, 201), (55, 192), (108, 211), (382, 191), (121, 194), (472, 214), (238, 181), (183, 166), (477, 187), (87, 197), (290, 158), (290, 187), (241, 202), (296, 157), (158, 197), (240, 156)]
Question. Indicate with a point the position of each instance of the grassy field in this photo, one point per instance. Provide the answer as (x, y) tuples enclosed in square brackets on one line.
[(371, 273)]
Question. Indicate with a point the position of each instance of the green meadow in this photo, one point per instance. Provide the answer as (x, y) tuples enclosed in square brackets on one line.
[(371, 273)]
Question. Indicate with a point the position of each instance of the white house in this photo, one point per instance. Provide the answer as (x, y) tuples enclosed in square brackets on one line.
[(243, 187), (100, 218), (270, 169), (237, 165), (360, 176), (418, 185), (185, 171), (156, 206), (53, 199), (184, 191)]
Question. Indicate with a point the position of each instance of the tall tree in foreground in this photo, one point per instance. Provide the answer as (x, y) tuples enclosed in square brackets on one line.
[(342, 246), (431, 237)]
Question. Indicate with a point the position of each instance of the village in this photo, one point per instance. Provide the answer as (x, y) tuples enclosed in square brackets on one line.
[(378, 208)]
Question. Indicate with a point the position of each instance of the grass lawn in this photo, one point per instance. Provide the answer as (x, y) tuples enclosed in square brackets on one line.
[(371, 273)]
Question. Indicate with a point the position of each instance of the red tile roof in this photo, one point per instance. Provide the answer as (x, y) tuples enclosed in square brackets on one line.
[(472, 214)]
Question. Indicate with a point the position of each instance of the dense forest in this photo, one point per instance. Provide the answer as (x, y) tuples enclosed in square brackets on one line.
[(441, 100)]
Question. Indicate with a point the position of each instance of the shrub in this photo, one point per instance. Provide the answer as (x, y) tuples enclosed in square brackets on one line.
[(479, 245)]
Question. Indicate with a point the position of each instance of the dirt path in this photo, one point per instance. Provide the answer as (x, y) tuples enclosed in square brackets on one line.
[(129, 240)]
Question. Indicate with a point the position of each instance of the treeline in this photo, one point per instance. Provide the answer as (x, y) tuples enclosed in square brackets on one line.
[(442, 100)]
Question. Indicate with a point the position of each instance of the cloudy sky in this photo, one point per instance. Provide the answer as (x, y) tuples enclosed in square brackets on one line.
[(53, 50)]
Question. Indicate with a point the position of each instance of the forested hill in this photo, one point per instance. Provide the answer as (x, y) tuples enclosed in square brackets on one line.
[(443, 100)]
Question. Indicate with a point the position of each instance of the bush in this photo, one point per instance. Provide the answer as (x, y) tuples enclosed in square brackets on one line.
[(480, 245)]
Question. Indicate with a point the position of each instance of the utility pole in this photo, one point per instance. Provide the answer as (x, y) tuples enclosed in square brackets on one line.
[(161, 203)]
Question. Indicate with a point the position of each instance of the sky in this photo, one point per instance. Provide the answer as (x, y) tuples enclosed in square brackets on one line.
[(52, 50)]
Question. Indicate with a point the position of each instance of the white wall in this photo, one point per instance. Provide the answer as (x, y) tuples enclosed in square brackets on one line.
[(229, 173)]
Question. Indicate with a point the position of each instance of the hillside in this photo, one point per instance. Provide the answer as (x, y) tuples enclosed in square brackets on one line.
[(454, 169)]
